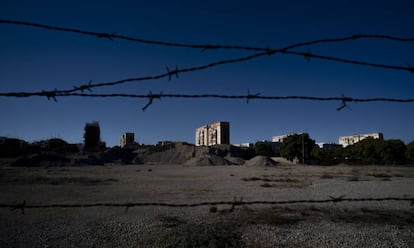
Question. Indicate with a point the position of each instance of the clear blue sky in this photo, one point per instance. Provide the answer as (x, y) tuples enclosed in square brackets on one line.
[(33, 59)]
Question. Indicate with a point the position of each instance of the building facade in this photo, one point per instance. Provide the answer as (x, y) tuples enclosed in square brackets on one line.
[(127, 139), (352, 139), (213, 134), (280, 138)]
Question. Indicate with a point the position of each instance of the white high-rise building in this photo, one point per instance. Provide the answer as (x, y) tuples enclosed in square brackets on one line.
[(213, 134)]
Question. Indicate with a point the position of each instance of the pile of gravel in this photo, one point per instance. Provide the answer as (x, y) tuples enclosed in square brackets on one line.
[(176, 153), (206, 160), (261, 161)]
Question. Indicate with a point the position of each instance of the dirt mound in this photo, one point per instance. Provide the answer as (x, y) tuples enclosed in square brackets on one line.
[(235, 160), (42, 160), (206, 160), (118, 155), (261, 161), (176, 153), (184, 153)]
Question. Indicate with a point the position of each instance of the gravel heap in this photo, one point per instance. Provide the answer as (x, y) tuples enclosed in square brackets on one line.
[(261, 161), (206, 160)]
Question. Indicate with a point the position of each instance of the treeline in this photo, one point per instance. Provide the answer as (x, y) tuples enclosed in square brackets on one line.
[(369, 151), (11, 147)]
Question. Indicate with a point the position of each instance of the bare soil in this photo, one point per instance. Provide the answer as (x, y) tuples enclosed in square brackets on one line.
[(346, 224)]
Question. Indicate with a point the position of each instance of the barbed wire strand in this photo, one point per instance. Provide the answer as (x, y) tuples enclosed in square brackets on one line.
[(151, 96), (51, 95), (235, 202), (112, 36), (177, 71), (268, 51)]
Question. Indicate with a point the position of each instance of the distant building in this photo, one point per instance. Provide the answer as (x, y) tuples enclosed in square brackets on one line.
[(92, 137), (127, 139), (280, 138), (246, 145), (352, 139), (213, 134)]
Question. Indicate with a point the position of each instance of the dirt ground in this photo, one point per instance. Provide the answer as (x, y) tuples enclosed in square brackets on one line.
[(345, 224)]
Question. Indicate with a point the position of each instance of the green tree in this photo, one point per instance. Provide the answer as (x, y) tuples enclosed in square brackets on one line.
[(11, 147), (391, 152), (264, 149), (326, 156), (60, 146), (410, 151), (297, 146), (375, 151)]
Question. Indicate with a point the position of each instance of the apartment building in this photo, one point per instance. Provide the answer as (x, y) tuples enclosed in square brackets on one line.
[(213, 134), (352, 139)]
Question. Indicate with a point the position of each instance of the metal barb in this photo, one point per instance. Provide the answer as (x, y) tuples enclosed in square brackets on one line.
[(250, 96), (308, 55), (83, 87), (172, 72), (19, 206), (128, 205), (344, 104), (208, 47), (235, 203), (50, 94), (106, 36), (337, 199), (151, 98)]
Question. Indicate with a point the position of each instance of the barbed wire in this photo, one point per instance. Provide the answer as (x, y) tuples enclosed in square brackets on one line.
[(236, 202), (249, 96), (113, 36), (53, 94), (267, 51), (89, 86)]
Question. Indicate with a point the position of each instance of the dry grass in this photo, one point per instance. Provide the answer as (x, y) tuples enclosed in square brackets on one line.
[(326, 176), (353, 179), (274, 181), (39, 179), (251, 179), (379, 175)]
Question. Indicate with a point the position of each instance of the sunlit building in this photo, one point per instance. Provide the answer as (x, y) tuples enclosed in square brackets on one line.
[(352, 139), (280, 138), (127, 139), (213, 134)]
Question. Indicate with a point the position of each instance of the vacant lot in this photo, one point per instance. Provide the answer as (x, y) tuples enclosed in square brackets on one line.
[(342, 224)]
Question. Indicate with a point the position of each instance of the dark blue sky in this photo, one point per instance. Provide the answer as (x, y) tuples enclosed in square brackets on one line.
[(33, 59)]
